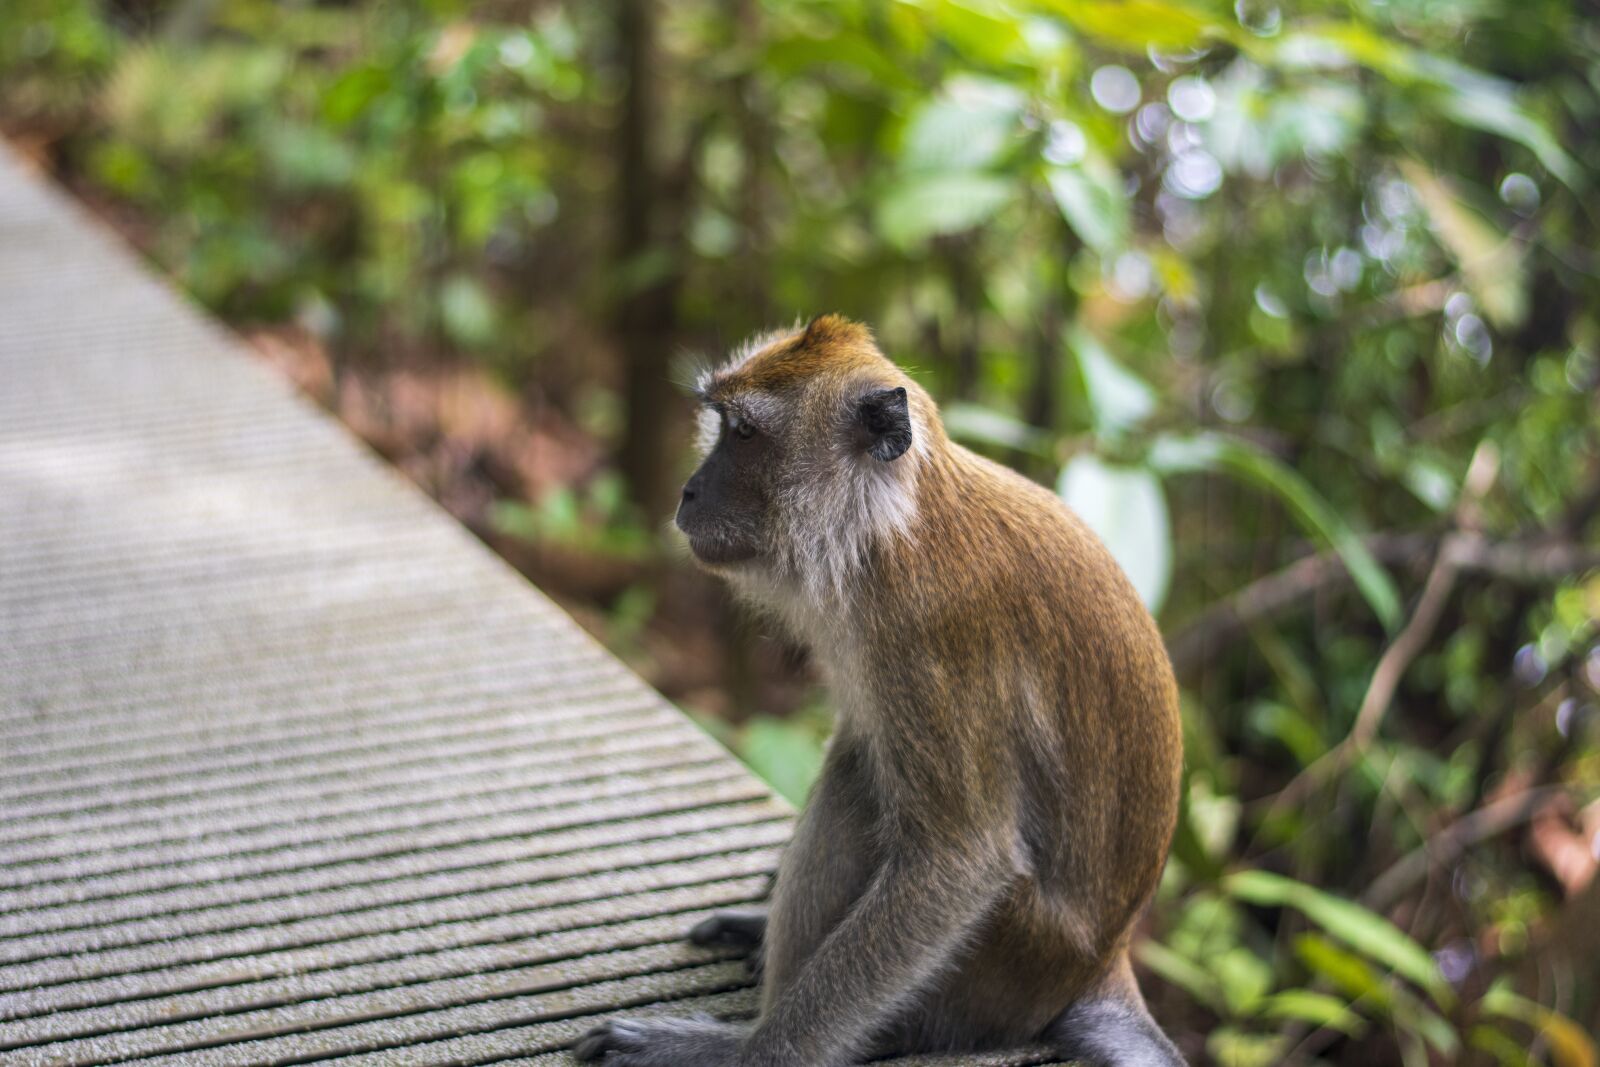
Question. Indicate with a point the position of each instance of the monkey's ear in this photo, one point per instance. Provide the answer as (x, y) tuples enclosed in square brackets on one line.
[(883, 423)]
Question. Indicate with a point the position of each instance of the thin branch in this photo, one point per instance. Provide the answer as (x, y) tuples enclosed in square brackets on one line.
[(1397, 658), (1445, 847), (1412, 640)]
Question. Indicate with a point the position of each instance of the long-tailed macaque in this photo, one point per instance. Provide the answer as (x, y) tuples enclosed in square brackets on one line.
[(1001, 790)]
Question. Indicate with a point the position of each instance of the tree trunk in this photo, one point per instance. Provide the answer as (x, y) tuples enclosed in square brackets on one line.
[(755, 143), (645, 314)]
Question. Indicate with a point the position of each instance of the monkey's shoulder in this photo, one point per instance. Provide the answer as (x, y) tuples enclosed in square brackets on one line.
[(1027, 542), (1005, 572)]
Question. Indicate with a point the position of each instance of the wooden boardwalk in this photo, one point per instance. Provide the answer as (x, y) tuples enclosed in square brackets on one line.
[(291, 768)]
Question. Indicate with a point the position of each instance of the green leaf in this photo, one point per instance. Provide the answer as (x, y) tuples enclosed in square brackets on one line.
[(1190, 848), (854, 53), (1207, 925), (1138, 25), (919, 208), (1244, 977), (967, 130), (308, 157), (1181, 972), (1347, 971), (1125, 506), (1413, 1016), (1319, 1009), (1430, 483), (1570, 1045), (1290, 727), (1249, 462), (1212, 816), (982, 33), (1465, 96), (1231, 1047), (348, 98), (786, 754), (1091, 199), (1363, 930), (467, 311), (1119, 399), (981, 425), (1506, 1050), (1491, 263)]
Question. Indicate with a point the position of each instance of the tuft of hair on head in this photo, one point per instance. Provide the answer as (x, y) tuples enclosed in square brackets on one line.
[(710, 373), (832, 329)]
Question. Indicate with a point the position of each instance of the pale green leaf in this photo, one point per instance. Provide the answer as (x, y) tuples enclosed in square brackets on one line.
[(1430, 483), (1180, 971), (1118, 399), (981, 425), (919, 208), (467, 310), (1244, 977), (787, 754), (1125, 506), (1091, 199), (1213, 816), (1411, 1015), (968, 129), (1463, 95)]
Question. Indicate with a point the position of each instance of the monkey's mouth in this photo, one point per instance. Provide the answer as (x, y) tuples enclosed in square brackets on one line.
[(714, 550)]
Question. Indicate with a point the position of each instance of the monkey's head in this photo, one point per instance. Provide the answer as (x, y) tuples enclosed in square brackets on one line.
[(812, 440)]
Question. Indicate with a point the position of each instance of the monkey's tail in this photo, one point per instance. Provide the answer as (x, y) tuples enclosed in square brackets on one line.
[(1111, 1027), (1108, 1031)]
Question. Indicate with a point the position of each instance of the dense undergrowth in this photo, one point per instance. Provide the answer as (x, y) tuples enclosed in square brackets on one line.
[(1299, 306)]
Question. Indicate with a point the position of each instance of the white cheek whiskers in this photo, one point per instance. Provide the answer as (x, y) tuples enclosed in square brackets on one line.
[(839, 507)]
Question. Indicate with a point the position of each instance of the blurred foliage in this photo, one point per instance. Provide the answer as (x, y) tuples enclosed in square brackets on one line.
[(1251, 285)]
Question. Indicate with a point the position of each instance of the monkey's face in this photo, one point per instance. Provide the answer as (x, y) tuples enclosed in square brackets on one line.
[(803, 437), (725, 503)]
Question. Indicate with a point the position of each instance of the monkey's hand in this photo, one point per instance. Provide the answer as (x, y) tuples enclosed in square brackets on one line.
[(696, 1041), (742, 928)]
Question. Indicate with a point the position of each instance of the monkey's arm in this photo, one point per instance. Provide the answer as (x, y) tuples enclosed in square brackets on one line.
[(899, 934), (903, 930)]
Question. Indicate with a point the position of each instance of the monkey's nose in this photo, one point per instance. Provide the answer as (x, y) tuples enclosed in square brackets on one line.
[(688, 493)]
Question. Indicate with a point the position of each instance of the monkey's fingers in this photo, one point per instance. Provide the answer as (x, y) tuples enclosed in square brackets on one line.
[(739, 929), (607, 1037)]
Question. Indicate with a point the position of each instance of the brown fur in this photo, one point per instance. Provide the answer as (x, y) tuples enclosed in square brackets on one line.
[(997, 804)]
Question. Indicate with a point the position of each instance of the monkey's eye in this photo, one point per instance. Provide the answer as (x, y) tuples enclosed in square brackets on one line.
[(739, 426)]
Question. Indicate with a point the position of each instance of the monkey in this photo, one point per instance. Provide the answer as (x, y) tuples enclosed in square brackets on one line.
[(1000, 792)]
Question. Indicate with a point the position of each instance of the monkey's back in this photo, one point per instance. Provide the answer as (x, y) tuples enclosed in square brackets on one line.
[(1030, 624)]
